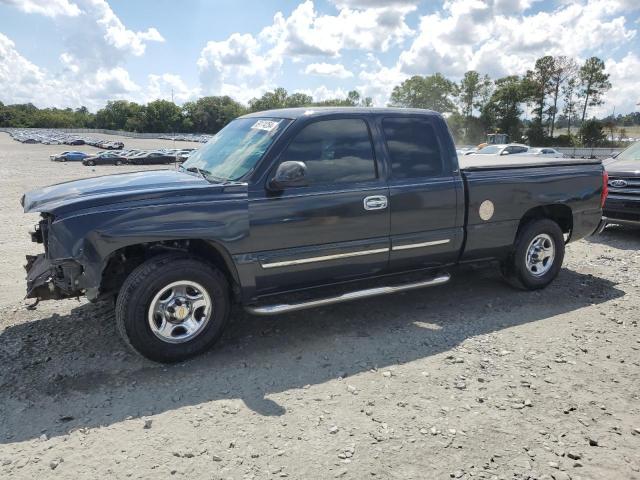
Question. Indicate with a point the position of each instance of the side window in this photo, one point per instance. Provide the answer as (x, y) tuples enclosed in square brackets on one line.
[(335, 151), (413, 148)]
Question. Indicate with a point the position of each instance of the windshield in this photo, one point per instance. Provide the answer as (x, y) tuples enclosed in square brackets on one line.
[(631, 153), (236, 149), (491, 149)]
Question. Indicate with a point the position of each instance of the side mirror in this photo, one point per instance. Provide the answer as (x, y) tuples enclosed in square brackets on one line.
[(289, 174), (504, 152)]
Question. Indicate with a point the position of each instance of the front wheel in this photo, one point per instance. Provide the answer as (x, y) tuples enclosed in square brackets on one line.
[(537, 255), (172, 307)]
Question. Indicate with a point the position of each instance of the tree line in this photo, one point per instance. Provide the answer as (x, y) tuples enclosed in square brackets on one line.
[(557, 92), (205, 115)]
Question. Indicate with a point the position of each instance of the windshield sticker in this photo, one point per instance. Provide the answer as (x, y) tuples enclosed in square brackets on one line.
[(266, 125)]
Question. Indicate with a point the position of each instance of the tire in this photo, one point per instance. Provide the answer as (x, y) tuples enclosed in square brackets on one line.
[(142, 289), (539, 272), (118, 163), (91, 163)]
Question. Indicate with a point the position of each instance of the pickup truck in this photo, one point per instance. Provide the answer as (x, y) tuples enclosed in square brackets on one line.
[(623, 202), (296, 208)]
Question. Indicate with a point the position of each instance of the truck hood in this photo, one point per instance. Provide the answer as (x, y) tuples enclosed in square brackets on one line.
[(628, 168), (110, 189)]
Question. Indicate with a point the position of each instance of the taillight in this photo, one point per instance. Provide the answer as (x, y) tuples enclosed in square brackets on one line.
[(605, 188)]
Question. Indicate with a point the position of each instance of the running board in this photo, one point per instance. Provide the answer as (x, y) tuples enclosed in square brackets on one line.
[(345, 297)]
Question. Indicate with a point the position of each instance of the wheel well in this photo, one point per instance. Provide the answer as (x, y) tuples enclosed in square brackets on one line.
[(561, 214), (124, 260)]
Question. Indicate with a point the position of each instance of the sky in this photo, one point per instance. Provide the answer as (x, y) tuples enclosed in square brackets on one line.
[(68, 53)]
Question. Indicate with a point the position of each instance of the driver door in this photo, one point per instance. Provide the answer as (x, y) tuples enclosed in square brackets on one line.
[(336, 228)]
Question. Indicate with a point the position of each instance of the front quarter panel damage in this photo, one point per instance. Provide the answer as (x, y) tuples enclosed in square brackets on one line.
[(79, 244)]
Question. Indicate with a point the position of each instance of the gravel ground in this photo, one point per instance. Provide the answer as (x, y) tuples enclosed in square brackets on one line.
[(468, 380)]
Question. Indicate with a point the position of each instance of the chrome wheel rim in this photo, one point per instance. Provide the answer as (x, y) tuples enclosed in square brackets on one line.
[(179, 312), (540, 255)]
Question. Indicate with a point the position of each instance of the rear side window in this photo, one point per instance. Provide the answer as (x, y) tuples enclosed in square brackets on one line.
[(335, 151), (516, 149), (413, 148)]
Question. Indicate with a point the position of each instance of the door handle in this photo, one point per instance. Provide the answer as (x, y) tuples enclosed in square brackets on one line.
[(375, 202)]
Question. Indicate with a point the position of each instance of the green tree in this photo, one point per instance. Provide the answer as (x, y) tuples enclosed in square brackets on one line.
[(353, 99), (564, 69), (536, 85), (569, 110), (502, 111), (434, 92), (298, 100), (473, 92), (114, 115), (210, 114), (594, 82), (592, 133), (162, 116), (270, 100)]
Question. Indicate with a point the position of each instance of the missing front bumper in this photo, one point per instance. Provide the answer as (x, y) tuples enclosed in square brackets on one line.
[(47, 280)]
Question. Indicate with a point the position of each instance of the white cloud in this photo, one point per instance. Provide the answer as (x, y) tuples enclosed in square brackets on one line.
[(322, 93), (21, 81), (625, 94), (336, 70), (236, 67), (162, 86), (97, 44), (250, 65), (307, 32), (500, 38), (475, 34), (49, 8)]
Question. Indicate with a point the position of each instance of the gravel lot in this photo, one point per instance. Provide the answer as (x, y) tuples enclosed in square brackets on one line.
[(468, 380)]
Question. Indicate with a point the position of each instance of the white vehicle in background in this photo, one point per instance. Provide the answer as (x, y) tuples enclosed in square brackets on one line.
[(544, 152), (502, 149), (466, 150)]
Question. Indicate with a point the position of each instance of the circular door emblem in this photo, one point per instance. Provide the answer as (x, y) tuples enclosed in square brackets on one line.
[(486, 210), (618, 183)]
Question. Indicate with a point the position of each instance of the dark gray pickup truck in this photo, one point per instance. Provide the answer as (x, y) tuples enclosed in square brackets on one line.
[(290, 209), (623, 202)]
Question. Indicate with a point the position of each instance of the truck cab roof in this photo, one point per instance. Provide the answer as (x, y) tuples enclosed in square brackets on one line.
[(294, 113)]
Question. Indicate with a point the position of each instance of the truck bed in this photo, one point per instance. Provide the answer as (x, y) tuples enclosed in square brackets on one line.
[(491, 162), (501, 191)]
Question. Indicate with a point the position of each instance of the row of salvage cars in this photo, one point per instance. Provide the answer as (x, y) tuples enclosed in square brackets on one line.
[(56, 137), (125, 157)]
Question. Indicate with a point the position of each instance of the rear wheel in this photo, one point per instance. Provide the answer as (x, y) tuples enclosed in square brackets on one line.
[(537, 255), (172, 307), (118, 162), (91, 163)]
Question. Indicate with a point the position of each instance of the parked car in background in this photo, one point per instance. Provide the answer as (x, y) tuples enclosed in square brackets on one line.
[(502, 149), (152, 158), (111, 145), (466, 150), (105, 158), (623, 202), (547, 152), (333, 204), (72, 156), (184, 154)]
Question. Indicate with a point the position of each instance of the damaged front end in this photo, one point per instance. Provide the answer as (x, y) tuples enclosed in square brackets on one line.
[(49, 279)]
